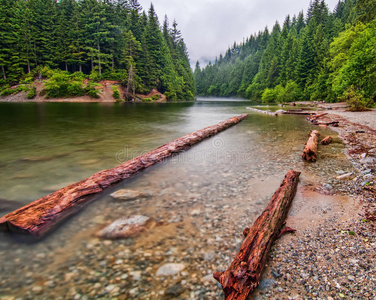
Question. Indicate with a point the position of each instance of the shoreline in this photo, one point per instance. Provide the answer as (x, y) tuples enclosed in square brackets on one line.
[(331, 255)]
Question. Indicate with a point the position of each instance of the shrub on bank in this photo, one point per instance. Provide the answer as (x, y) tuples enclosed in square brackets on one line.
[(32, 93)]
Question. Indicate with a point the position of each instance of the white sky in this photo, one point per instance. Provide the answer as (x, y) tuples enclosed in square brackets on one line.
[(209, 27)]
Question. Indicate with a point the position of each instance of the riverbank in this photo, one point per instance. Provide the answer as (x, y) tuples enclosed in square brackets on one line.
[(332, 254), (105, 95)]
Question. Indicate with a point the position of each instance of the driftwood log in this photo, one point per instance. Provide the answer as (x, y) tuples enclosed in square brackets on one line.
[(327, 140), (40, 216), (310, 149), (266, 112), (244, 273)]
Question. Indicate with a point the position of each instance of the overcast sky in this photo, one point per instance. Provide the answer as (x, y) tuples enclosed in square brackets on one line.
[(209, 27)]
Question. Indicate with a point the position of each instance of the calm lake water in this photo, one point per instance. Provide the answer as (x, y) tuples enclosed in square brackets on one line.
[(202, 199)]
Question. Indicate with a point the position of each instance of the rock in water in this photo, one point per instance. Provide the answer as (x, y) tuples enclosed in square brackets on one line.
[(170, 269), (126, 194), (126, 227)]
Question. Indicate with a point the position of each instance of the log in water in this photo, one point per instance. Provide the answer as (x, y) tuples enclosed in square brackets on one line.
[(40, 216), (244, 273)]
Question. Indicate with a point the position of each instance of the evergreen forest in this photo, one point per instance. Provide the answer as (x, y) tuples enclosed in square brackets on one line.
[(321, 55), (72, 40)]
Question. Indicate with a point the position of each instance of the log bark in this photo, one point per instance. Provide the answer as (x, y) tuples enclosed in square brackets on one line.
[(244, 273), (40, 216), (266, 112), (310, 149), (327, 140)]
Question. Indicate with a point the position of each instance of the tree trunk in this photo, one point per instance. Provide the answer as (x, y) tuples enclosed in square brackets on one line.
[(310, 149), (244, 273), (4, 75), (40, 216)]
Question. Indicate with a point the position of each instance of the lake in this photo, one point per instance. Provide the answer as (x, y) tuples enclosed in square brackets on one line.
[(201, 199)]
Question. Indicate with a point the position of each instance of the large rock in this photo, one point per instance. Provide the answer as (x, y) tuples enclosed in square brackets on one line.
[(126, 227), (127, 195), (170, 269)]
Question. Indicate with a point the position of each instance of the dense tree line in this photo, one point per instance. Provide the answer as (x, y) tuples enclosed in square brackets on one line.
[(321, 56), (108, 39)]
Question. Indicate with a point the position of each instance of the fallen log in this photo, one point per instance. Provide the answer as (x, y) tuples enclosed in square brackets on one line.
[(327, 140), (310, 149), (313, 118), (301, 113), (267, 112), (244, 273), (334, 123), (40, 216)]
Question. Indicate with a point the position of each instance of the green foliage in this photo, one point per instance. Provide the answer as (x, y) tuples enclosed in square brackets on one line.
[(116, 92), (312, 58), (355, 100), (156, 97), (269, 95), (8, 91), (353, 63), (92, 91), (32, 93), (95, 76), (63, 84), (46, 72), (105, 39)]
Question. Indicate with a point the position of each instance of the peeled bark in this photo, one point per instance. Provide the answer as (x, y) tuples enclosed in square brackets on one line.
[(310, 149), (244, 273), (327, 140), (40, 216)]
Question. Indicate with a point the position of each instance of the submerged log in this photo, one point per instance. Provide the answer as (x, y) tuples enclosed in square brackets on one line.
[(297, 112), (40, 216), (244, 273), (310, 149), (327, 140), (267, 112)]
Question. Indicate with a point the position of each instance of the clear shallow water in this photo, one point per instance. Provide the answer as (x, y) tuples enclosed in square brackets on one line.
[(202, 198)]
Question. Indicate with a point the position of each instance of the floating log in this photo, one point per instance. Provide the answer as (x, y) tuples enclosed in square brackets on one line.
[(327, 140), (310, 149), (244, 273), (40, 216), (267, 112)]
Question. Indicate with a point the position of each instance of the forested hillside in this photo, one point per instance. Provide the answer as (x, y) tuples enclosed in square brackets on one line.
[(322, 55), (106, 39)]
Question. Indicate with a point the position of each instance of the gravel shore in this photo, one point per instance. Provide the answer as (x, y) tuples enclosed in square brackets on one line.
[(335, 257)]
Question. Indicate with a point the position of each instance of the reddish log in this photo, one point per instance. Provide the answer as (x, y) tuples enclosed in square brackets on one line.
[(244, 273), (310, 149), (327, 140), (40, 216)]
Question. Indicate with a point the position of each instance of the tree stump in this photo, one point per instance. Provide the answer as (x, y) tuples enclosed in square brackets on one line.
[(310, 149)]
